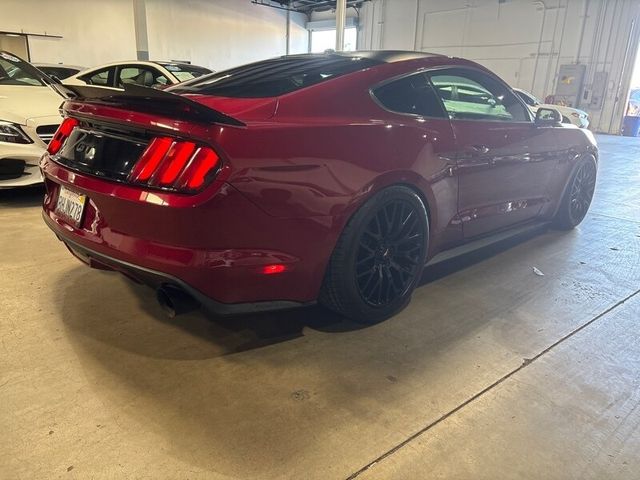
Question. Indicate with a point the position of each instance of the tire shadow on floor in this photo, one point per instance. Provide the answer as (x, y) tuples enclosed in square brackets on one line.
[(210, 336), (23, 197)]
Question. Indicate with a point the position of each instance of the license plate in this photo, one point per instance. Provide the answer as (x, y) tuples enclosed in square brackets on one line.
[(70, 206)]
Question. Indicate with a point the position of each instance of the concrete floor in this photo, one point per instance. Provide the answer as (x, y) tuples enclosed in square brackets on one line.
[(491, 372)]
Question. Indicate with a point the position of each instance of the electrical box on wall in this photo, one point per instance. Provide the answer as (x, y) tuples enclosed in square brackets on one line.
[(598, 90), (569, 86)]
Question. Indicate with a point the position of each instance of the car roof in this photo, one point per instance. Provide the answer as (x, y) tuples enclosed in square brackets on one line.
[(149, 63), (385, 56), (125, 62), (58, 65), (182, 64), (143, 62)]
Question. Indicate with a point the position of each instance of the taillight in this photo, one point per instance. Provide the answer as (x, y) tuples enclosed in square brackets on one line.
[(150, 159), (175, 161), (63, 132), (175, 164)]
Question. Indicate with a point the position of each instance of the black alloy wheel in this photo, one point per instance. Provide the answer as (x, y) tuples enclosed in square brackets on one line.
[(379, 258), (389, 253), (582, 189), (579, 194)]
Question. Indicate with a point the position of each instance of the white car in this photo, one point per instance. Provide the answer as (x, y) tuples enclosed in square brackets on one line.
[(147, 74), (58, 70), (29, 116), (569, 115)]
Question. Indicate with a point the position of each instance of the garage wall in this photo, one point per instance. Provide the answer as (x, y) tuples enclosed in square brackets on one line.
[(218, 34), (524, 41), (221, 33), (93, 32)]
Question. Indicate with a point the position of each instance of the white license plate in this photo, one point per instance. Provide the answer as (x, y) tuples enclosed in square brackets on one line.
[(70, 206)]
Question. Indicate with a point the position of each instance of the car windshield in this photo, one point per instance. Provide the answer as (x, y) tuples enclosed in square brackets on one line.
[(184, 72), (528, 98), (14, 71), (275, 77)]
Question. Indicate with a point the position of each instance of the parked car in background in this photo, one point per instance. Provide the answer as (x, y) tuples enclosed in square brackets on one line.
[(319, 177), (58, 70), (633, 107), (574, 116), (29, 116), (146, 74)]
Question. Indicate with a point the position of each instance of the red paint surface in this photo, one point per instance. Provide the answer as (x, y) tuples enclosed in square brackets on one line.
[(294, 175)]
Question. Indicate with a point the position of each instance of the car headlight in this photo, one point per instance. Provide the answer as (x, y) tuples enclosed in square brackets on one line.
[(12, 133)]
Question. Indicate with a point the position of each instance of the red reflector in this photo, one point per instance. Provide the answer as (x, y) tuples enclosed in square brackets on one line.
[(63, 132), (150, 159), (175, 161), (204, 161), (272, 269)]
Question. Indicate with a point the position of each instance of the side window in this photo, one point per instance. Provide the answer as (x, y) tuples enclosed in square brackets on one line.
[(147, 77), (98, 78), (412, 94), (473, 95)]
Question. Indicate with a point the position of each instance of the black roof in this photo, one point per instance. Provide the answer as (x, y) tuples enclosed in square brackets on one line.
[(384, 56), (391, 56)]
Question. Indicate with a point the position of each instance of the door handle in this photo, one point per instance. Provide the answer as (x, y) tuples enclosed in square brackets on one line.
[(482, 149)]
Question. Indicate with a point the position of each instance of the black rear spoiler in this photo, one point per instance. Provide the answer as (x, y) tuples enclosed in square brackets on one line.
[(145, 99)]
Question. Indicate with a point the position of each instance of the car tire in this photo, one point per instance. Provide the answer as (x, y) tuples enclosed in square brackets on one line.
[(379, 258), (578, 194)]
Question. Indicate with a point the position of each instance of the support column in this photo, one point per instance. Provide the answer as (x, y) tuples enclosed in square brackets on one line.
[(140, 28), (341, 19), (288, 34)]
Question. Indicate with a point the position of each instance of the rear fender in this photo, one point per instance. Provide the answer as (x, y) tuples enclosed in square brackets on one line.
[(439, 194)]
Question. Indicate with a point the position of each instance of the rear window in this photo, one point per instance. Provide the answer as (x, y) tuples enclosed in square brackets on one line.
[(184, 72), (14, 71), (59, 72), (275, 77)]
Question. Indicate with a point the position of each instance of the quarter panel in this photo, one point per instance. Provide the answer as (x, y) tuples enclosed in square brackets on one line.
[(330, 169)]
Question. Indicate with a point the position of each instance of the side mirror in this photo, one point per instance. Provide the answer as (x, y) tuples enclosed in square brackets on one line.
[(548, 117)]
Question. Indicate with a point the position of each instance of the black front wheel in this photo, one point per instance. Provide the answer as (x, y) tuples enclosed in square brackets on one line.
[(578, 195), (379, 258)]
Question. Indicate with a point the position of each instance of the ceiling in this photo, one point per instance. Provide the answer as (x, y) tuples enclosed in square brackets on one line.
[(307, 6)]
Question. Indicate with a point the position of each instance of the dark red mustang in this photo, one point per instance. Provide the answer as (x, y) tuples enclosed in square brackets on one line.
[(330, 178)]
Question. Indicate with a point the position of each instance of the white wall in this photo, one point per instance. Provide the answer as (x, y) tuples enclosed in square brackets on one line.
[(524, 41), (213, 33), (102, 32), (219, 34)]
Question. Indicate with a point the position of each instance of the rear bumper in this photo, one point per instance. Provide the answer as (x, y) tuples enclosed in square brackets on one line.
[(156, 279), (214, 245)]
